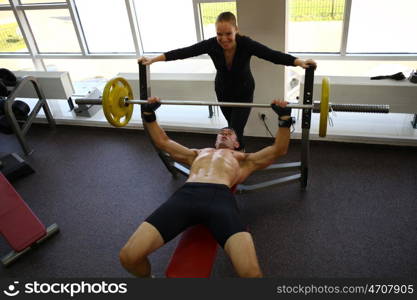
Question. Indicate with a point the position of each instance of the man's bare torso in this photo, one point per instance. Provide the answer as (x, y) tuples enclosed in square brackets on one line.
[(222, 166)]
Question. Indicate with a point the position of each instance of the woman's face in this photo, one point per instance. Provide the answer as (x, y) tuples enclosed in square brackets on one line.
[(226, 35)]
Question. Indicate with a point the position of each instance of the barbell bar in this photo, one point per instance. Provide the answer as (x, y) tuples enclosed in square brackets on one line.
[(343, 107), (117, 102), (198, 103)]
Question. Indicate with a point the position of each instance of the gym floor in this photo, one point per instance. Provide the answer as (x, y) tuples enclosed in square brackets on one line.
[(357, 218)]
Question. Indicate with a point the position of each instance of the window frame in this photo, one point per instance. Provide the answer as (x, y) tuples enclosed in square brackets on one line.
[(45, 6), (18, 10)]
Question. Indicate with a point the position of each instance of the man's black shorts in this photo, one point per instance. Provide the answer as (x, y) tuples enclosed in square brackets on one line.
[(212, 205)]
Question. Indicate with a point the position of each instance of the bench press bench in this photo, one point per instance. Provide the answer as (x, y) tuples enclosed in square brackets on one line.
[(18, 224)]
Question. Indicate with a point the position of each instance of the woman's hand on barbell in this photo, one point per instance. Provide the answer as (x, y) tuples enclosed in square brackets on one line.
[(145, 60), (305, 64)]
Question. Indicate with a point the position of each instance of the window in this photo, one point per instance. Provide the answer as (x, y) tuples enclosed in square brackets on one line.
[(208, 14), (332, 29), (11, 39), (315, 25), (371, 26), (106, 29), (383, 26), (165, 25), (53, 30)]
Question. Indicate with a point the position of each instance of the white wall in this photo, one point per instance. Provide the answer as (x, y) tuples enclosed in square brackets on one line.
[(264, 21)]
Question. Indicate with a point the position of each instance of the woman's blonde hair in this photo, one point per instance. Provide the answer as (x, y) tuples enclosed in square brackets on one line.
[(227, 16)]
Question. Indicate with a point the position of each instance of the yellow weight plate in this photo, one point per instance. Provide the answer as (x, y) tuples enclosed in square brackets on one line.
[(324, 106), (117, 113)]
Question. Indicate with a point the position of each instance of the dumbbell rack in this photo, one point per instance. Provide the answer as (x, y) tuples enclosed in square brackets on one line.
[(19, 131), (301, 168)]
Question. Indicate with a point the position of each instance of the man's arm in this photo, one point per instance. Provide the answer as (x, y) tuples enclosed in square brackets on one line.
[(177, 151), (268, 155)]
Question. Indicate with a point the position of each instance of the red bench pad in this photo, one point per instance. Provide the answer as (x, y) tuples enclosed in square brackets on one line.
[(194, 255), (18, 224)]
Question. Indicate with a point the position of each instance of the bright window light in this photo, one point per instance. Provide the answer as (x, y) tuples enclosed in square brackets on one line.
[(165, 25), (11, 39), (106, 29), (315, 25), (383, 26), (53, 30)]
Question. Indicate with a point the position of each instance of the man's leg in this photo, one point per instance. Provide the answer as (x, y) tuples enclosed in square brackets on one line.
[(164, 224), (134, 255), (241, 250), (225, 223)]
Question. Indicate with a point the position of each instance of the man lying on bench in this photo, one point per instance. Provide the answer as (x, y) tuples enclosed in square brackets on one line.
[(206, 197)]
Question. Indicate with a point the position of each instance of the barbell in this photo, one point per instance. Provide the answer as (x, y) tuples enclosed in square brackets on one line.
[(117, 102)]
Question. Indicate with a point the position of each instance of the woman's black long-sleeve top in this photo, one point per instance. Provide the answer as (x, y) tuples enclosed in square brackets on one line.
[(237, 83)]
